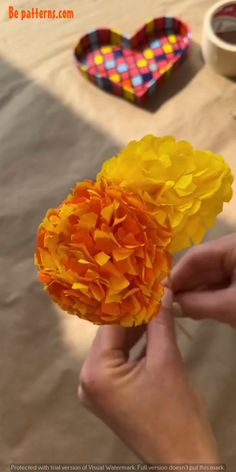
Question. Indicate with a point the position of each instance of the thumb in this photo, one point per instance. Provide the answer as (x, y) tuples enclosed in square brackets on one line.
[(161, 338)]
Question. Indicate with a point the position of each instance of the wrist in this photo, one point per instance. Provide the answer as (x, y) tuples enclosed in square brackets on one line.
[(196, 445), (205, 454)]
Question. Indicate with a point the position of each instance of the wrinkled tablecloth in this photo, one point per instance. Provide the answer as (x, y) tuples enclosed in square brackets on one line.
[(57, 128)]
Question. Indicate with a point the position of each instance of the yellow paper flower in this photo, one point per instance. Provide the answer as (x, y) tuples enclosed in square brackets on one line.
[(102, 256), (182, 186)]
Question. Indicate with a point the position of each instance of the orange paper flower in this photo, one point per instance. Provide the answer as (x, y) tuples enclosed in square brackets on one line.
[(102, 256)]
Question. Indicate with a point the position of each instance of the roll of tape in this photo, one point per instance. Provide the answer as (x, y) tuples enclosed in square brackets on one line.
[(219, 37)]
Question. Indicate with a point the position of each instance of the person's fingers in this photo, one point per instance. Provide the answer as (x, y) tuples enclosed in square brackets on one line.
[(115, 339), (201, 265), (208, 264), (219, 305), (112, 344), (177, 311), (161, 330), (109, 337)]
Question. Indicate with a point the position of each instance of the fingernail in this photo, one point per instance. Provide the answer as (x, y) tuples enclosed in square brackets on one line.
[(177, 311), (167, 282), (167, 299)]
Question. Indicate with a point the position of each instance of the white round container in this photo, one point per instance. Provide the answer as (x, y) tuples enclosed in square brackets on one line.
[(219, 37)]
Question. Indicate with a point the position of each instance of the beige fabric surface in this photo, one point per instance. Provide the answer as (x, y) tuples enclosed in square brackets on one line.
[(57, 128)]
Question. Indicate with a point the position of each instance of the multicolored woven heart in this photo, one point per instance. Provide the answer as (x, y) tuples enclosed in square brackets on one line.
[(133, 67)]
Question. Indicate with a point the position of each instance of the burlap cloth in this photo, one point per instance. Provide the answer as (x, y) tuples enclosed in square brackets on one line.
[(57, 128)]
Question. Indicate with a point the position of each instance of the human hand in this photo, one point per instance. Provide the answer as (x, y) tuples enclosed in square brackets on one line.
[(147, 401), (204, 281)]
